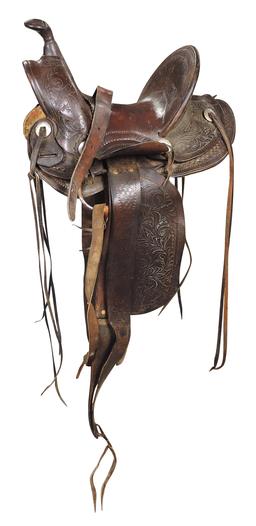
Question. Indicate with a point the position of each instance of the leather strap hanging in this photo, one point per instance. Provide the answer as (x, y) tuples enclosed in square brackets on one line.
[(98, 224), (223, 312), (44, 254), (93, 142)]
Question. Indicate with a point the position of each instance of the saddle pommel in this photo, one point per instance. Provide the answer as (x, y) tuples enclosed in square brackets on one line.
[(51, 47)]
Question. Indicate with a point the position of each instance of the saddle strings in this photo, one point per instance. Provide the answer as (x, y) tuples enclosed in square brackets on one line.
[(43, 249), (186, 244), (108, 447), (49, 299), (223, 310), (179, 291)]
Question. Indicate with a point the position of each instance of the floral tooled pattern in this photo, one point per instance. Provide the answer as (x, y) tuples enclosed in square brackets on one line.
[(193, 134), (159, 247), (61, 101), (56, 84)]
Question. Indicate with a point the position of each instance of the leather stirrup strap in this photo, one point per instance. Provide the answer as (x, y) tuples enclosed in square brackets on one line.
[(125, 198), (93, 143), (124, 202), (223, 312), (125, 195)]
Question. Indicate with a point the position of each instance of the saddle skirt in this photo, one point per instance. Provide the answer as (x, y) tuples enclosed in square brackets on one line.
[(119, 160)]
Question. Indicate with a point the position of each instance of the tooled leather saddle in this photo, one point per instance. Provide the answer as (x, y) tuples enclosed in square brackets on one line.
[(118, 160)]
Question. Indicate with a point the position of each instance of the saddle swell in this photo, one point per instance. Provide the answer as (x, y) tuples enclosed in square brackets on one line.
[(119, 160)]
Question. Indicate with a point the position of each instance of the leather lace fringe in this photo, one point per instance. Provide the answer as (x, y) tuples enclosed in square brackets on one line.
[(50, 311), (110, 472), (223, 311)]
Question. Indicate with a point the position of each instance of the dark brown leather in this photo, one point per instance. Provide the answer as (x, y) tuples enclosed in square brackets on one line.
[(100, 120), (136, 128), (118, 160)]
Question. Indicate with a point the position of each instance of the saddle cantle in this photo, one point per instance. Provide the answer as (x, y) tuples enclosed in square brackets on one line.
[(117, 159)]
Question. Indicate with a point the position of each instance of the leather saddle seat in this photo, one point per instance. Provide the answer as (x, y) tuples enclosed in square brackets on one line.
[(141, 128)]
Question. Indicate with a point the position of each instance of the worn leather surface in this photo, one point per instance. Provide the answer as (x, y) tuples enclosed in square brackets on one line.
[(165, 108), (159, 243), (119, 160)]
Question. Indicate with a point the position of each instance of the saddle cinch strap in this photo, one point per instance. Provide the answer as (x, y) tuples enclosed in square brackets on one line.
[(119, 161)]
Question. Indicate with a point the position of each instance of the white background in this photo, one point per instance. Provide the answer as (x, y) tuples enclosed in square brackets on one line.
[(185, 438)]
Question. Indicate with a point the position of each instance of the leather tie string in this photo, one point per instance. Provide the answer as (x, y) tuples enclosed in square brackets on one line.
[(178, 291), (110, 472), (43, 250), (223, 311)]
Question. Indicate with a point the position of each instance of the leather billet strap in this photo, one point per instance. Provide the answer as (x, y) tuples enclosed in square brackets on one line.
[(101, 116), (99, 216), (92, 268), (223, 312)]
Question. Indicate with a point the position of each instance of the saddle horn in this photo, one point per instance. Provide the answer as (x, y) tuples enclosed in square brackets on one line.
[(51, 47)]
